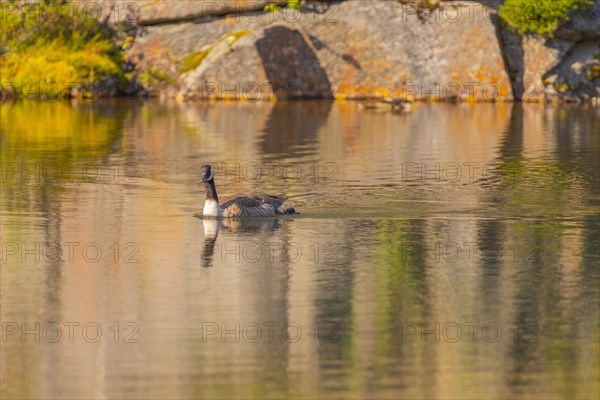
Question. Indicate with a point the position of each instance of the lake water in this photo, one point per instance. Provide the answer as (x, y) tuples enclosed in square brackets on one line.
[(450, 252)]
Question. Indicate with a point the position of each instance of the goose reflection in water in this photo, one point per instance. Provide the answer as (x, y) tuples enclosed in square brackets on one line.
[(234, 229)]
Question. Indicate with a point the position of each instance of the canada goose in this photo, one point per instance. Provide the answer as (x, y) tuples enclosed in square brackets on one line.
[(239, 206)]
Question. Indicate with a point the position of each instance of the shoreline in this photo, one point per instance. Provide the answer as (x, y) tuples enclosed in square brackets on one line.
[(594, 102)]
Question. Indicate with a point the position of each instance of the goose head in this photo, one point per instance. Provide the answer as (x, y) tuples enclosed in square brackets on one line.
[(208, 174)]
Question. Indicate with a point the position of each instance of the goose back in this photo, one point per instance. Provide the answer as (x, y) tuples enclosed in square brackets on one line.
[(241, 200), (235, 210), (254, 200)]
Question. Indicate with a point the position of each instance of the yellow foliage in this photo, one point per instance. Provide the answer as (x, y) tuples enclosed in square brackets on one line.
[(67, 52)]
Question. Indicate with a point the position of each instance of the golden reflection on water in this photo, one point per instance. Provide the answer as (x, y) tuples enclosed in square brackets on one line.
[(379, 250)]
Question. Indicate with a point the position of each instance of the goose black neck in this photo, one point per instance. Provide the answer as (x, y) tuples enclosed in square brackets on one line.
[(211, 190)]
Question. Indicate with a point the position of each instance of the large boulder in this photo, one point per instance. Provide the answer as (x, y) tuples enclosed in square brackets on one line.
[(251, 70), (358, 49)]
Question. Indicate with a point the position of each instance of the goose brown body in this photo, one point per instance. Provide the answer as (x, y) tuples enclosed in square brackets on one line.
[(253, 200), (235, 210)]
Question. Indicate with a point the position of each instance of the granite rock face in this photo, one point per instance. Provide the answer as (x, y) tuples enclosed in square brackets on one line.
[(353, 49), (457, 51), (450, 53)]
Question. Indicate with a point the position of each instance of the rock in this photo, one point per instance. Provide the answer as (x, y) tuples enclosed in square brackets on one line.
[(153, 12), (400, 54), (355, 49), (412, 49), (558, 69), (578, 74), (540, 56), (365, 49), (277, 61), (161, 49), (582, 25)]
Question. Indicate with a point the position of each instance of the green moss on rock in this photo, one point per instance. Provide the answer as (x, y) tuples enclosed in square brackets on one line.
[(539, 16), (193, 60)]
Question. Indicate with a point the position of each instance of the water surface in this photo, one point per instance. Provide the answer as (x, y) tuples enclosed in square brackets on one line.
[(451, 252)]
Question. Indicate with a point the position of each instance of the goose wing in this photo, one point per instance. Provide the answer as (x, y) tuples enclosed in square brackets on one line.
[(236, 211), (240, 200), (254, 200)]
